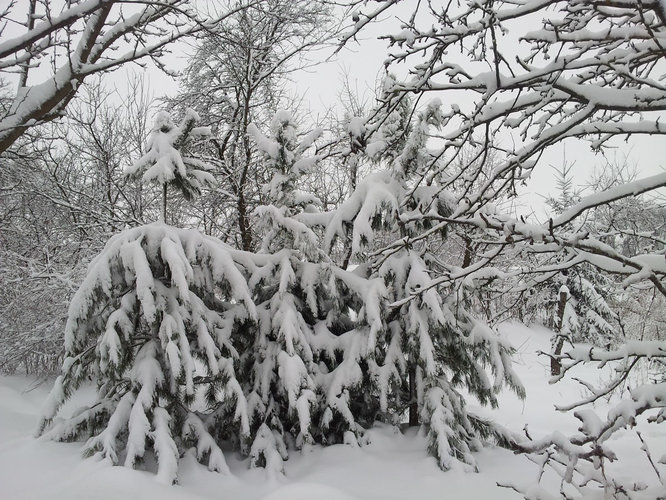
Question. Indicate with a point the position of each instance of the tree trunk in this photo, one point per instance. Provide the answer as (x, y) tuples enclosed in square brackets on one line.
[(164, 203), (243, 226), (413, 403), (555, 364)]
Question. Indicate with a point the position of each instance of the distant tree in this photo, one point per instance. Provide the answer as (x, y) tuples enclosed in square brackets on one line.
[(238, 75), (588, 315)]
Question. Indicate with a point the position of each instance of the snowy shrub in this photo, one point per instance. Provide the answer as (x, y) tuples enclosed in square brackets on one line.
[(152, 323)]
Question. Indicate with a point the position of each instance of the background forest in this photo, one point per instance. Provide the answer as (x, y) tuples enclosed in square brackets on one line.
[(235, 272)]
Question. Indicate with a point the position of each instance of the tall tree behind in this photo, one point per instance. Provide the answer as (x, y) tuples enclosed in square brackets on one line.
[(236, 76)]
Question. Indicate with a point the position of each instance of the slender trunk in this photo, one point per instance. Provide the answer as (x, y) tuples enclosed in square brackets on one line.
[(243, 225), (469, 251), (164, 203), (23, 77), (246, 235), (555, 364), (413, 403), (467, 261)]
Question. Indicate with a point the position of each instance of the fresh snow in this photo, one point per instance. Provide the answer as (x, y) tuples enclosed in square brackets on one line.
[(387, 465)]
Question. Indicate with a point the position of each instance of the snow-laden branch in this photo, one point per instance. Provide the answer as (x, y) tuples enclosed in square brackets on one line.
[(98, 36), (71, 15), (591, 71), (613, 194), (580, 459)]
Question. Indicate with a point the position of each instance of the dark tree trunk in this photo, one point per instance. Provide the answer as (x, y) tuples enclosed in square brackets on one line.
[(555, 364), (413, 403)]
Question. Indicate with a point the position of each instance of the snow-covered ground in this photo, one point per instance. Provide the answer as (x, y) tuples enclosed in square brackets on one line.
[(391, 466)]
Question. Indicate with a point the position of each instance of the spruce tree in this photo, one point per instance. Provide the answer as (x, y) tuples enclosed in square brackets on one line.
[(304, 368), (590, 317), (429, 346), (152, 325)]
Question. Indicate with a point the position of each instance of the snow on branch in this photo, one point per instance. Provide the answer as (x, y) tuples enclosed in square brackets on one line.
[(588, 72), (580, 459), (634, 188), (87, 38)]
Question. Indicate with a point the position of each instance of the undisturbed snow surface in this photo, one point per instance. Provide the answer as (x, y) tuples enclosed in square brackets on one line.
[(391, 466)]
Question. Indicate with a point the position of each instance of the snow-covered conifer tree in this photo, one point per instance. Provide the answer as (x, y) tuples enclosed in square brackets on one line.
[(390, 125), (597, 322), (193, 343), (590, 318), (152, 324), (429, 346), (305, 367)]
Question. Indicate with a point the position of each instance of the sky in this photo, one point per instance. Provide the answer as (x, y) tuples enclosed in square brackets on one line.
[(361, 64)]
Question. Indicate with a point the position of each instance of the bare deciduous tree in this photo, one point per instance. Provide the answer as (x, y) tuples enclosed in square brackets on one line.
[(236, 76), (84, 38)]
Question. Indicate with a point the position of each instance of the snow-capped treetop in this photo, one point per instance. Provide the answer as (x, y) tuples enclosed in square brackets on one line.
[(390, 125), (356, 128), (283, 155), (164, 162), (414, 157)]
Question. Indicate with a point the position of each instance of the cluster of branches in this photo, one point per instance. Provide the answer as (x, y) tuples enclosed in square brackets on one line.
[(560, 82), (63, 193), (84, 38), (582, 461)]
